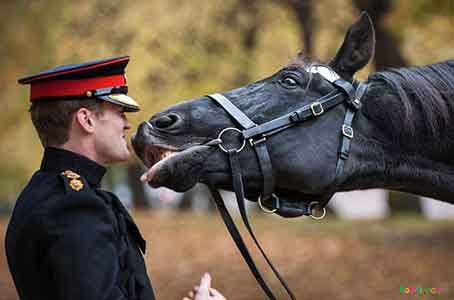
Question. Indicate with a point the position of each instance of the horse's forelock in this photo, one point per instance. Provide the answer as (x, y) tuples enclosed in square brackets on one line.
[(298, 61)]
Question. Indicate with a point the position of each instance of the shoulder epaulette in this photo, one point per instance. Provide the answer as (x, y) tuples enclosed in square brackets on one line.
[(73, 181)]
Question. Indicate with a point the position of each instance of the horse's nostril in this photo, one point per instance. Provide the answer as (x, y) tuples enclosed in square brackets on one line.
[(166, 121)]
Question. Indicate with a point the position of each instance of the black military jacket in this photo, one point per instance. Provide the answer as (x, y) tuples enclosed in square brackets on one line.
[(68, 239)]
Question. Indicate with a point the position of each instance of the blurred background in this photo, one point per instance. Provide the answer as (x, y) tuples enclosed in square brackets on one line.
[(372, 243)]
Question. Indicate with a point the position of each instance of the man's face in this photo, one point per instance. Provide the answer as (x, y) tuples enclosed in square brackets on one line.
[(110, 134)]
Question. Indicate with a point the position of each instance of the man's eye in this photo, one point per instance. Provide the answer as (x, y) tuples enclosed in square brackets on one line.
[(289, 81)]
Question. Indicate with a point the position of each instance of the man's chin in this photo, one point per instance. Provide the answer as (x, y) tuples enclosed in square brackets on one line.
[(119, 158), (125, 157)]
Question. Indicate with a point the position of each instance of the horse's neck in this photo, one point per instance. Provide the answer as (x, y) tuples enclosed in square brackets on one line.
[(379, 161), (370, 166)]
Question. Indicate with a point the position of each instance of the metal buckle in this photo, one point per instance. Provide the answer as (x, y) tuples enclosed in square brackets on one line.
[(266, 210), (224, 131), (317, 108), (312, 204), (356, 102), (347, 131), (253, 143)]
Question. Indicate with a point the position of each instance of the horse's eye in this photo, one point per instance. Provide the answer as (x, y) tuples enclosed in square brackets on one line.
[(289, 81)]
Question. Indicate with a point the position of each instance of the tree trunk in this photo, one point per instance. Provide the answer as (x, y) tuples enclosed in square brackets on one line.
[(304, 12)]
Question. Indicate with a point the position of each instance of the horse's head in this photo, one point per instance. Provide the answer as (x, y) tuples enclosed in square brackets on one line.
[(174, 142)]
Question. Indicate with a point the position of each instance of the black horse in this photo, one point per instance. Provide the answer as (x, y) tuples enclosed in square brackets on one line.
[(403, 137)]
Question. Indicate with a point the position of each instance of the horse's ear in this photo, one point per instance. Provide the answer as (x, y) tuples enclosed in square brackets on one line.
[(357, 49)]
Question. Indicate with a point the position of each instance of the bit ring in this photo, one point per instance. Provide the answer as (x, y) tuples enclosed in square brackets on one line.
[(224, 131), (266, 210), (311, 205)]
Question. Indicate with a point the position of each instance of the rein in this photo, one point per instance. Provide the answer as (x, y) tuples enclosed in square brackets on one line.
[(256, 135)]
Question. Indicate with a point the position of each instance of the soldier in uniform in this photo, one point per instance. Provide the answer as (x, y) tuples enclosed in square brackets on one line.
[(68, 238)]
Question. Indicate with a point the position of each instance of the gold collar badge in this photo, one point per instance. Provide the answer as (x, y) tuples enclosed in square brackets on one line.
[(75, 183), (70, 174)]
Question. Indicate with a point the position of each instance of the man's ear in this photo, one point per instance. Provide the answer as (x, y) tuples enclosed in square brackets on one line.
[(85, 119), (357, 49)]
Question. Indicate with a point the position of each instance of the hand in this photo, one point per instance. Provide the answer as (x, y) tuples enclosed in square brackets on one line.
[(204, 291)]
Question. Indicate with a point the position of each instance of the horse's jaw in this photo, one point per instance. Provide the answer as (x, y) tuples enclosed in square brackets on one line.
[(176, 170), (177, 167)]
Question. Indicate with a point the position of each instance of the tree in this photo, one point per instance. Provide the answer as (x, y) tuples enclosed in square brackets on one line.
[(304, 12)]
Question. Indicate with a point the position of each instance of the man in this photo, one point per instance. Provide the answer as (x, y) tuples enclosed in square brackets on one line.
[(68, 238)]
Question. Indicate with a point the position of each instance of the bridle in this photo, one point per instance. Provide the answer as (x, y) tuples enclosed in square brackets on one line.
[(256, 135)]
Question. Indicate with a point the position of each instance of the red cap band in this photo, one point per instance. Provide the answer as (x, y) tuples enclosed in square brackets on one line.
[(74, 87)]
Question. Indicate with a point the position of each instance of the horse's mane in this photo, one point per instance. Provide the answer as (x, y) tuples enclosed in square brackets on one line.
[(425, 104)]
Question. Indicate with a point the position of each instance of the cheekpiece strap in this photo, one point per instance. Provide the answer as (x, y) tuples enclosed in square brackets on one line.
[(233, 111)]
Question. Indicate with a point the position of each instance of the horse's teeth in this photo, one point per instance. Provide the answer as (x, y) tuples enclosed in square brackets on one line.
[(166, 154)]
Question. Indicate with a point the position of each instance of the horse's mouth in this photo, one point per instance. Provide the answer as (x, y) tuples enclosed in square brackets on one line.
[(177, 168), (156, 153)]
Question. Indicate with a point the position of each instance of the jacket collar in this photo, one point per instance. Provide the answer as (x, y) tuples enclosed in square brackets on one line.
[(59, 160)]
